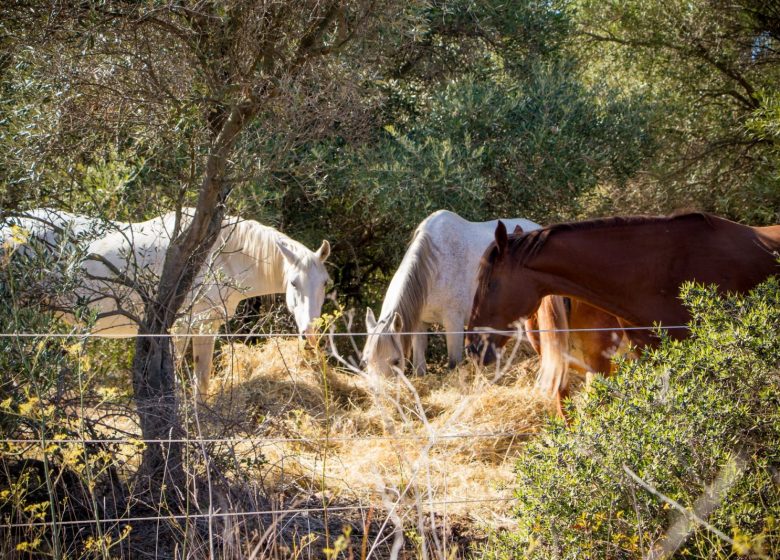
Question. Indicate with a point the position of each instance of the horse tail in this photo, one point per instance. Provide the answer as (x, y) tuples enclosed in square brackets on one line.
[(554, 345)]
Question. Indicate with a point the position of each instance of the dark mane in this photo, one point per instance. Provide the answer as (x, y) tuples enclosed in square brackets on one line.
[(486, 268), (525, 246)]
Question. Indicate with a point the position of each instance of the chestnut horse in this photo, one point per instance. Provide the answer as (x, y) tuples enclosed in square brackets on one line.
[(631, 268)]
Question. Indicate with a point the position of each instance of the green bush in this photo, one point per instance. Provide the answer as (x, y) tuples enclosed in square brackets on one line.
[(680, 418)]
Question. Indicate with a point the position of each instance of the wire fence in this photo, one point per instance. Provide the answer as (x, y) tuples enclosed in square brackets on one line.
[(337, 334), (286, 511), (270, 440), (430, 438)]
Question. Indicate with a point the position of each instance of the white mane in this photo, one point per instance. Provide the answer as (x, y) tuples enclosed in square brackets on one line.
[(412, 282), (256, 242), (259, 244)]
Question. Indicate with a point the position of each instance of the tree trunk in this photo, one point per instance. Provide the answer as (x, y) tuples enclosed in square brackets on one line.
[(158, 410), (154, 373)]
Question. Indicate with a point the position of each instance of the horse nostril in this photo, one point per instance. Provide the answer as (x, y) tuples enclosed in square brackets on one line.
[(475, 348)]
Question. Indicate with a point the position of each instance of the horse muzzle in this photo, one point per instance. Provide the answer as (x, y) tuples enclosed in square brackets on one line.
[(482, 349)]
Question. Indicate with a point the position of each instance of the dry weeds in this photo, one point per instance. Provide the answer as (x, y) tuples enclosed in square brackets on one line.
[(429, 456), (361, 439)]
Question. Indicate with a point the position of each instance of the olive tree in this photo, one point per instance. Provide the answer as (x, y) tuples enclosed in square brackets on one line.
[(183, 80)]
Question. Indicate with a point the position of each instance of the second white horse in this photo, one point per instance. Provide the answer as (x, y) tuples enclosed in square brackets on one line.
[(435, 283)]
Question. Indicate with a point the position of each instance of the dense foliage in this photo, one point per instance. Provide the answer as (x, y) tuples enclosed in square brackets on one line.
[(547, 110), (711, 68), (696, 420)]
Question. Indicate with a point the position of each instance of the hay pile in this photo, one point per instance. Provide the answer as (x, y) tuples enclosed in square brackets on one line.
[(353, 438)]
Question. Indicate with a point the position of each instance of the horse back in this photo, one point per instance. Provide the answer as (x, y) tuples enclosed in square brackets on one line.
[(734, 256), (458, 245)]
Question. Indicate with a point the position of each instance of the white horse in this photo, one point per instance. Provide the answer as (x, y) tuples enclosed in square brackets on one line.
[(123, 260), (435, 283)]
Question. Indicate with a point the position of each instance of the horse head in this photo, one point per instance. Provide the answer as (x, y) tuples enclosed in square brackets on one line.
[(495, 301), (384, 349), (306, 282)]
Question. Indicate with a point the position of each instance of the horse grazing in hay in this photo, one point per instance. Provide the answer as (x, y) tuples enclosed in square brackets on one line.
[(120, 261), (631, 268), (435, 283)]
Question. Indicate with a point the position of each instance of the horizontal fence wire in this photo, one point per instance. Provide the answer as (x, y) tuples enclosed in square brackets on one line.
[(296, 335), (277, 512), (307, 510), (269, 441)]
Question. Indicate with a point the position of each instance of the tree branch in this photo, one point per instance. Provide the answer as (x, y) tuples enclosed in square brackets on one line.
[(750, 101)]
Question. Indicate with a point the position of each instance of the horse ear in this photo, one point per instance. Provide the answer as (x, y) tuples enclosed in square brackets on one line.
[(398, 322), (288, 253), (370, 319), (324, 251), (518, 230), (501, 237)]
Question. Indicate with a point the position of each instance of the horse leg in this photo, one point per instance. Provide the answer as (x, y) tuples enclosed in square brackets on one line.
[(419, 346), (203, 357), (532, 333), (453, 324)]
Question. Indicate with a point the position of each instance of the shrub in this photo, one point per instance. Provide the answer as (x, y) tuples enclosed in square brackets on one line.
[(685, 418)]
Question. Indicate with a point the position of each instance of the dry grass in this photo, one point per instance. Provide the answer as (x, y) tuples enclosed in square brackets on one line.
[(302, 433), (367, 440)]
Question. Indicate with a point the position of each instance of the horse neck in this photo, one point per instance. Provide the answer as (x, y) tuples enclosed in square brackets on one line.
[(253, 258), (577, 286), (591, 265), (634, 269), (408, 290)]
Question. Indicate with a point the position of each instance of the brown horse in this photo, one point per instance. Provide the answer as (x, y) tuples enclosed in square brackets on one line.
[(631, 268)]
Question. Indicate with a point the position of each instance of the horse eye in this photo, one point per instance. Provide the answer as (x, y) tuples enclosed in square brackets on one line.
[(395, 362), (296, 283)]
